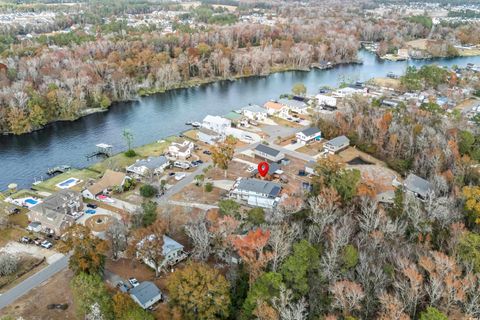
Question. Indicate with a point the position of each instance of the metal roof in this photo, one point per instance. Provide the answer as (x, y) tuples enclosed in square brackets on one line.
[(418, 185), (268, 150), (255, 108), (293, 103), (259, 186), (339, 141), (145, 292), (150, 163), (310, 131)]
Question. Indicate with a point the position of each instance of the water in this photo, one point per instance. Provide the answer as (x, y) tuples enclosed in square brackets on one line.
[(24, 158)]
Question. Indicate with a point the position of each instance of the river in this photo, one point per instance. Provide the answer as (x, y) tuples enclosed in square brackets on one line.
[(27, 157)]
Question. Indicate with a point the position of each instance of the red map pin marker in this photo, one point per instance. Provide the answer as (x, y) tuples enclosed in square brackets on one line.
[(263, 168)]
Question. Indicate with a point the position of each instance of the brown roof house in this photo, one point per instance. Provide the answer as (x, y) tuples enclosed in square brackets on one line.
[(110, 179), (58, 212)]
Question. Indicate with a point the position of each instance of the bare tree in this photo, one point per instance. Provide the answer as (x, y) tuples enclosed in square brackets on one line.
[(201, 238), (8, 264), (281, 239), (347, 296), (287, 308), (117, 234)]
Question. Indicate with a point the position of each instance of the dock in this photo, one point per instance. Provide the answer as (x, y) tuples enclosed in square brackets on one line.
[(103, 149), (59, 169)]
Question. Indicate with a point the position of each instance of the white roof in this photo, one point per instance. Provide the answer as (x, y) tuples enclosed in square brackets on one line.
[(216, 119)]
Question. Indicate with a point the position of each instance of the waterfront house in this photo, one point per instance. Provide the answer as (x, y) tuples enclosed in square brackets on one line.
[(57, 212), (268, 153), (348, 91), (146, 294), (255, 192), (151, 165), (242, 135), (208, 136), (255, 112), (110, 180), (217, 124), (294, 105), (420, 187), (276, 109), (308, 135), (181, 150), (336, 145), (172, 253)]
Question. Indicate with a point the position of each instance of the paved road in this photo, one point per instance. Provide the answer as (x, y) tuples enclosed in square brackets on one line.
[(28, 284)]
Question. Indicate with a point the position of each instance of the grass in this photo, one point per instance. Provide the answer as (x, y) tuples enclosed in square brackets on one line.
[(285, 123), (27, 264), (11, 234), (83, 174), (191, 134), (20, 219)]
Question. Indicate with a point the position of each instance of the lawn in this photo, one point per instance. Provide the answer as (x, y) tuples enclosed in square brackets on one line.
[(83, 174), (11, 234), (25, 267), (286, 123)]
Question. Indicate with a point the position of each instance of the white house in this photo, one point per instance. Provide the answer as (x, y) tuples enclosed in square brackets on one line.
[(172, 253), (146, 294), (327, 101), (242, 135), (268, 153), (208, 136), (255, 192), (348, 91), (294, 105), (217, 124), (310, 167), (274, 108), (154, 165), (255, 112), (308, 135), (182, 150), (336, 144)]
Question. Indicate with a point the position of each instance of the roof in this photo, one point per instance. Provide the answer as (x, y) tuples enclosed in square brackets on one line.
[(233, 116), (150, 163), (254, 108), (109, 179), (208, 132), (170, 245), (273, 105), (310, 131), (268, 150), (145, 292), (418, 185), (56, 200), (216, 119), (311, 164), (339, 141), (272, 168), (34, 224), (259, 186), (293, 103)]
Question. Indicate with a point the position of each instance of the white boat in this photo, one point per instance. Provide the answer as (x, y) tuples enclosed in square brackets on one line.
[(196, 124)]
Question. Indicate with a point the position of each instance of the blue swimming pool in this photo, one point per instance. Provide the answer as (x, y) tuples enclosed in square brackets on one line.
[(68, 182), (31, 201), (90, 211)]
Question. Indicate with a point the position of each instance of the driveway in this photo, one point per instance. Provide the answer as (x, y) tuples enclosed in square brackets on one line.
[(223, 184), (280, 131), (98, 210), (28, 284)]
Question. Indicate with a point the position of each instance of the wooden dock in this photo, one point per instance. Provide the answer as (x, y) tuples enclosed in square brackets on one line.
[(59, 169), (103, 149)]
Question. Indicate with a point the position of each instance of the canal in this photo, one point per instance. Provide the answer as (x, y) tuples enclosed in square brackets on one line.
[(26, 157)]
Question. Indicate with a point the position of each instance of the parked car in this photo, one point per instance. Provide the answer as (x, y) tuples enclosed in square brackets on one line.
[(207, 152), (134, 282), (181, 164), (180, 176), (25, 240), (122, 286), (46, 244), (302, 173), (92, 206), (199, 161), (171, 174), (293, 141), (37, 241), (194, 164)]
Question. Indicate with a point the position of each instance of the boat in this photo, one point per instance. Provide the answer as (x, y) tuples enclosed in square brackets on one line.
[(188, 123), (59, 169), (196, 124)]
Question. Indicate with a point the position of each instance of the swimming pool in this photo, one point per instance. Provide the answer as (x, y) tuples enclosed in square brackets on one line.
[(70, 182), (31, 201)]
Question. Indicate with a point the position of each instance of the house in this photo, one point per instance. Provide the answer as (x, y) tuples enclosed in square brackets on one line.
[(181, 150), (109, 180), (274, 108), (152, 165), (255, 112), (268, 153), (273, 169), (257, 192), (242, 135), (208, 136), (310, 167), (348, 91), (146, 294), (217, 124), (336, 145), (34, 226), (420, 187), (308, 135), (294, 105), (326, 101), (58, 212), (172, 251)]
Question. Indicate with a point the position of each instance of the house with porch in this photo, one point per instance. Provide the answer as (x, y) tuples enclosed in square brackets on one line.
[(172, 253), (255, 112), (268, 153), (308, 135), (217, 124), (110, 180), (336, 145), (208, 136), (417, 186), (151, 165), (296, 106), (276, 109), (146, 294), (255, 192), (58, 211), (181, 150)]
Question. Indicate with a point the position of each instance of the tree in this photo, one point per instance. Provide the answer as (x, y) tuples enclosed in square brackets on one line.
[(287, 308), (208, 187), (256, 216), (296, 267), (88, 291), (432, 313), (299, 89), (349, 257), (201, 238), (88, 251), (472, 203), (126, 309), (468, 249), (117, 234), (199, 292), (148, 191), (149, 213), (228, 207), (251, 249), (199, 178), (147, 244), (333, 175), (347, 296), (222, 154), (128, 137), (266, 287), (8, 264)]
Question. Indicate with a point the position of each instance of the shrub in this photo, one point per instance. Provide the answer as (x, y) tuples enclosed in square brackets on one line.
[(208, 187), (130, 153), (8, 264), (256, 216), (148, 191), (432, 313)]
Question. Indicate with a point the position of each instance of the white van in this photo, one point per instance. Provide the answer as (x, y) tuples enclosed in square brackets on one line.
[(181, 164)]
